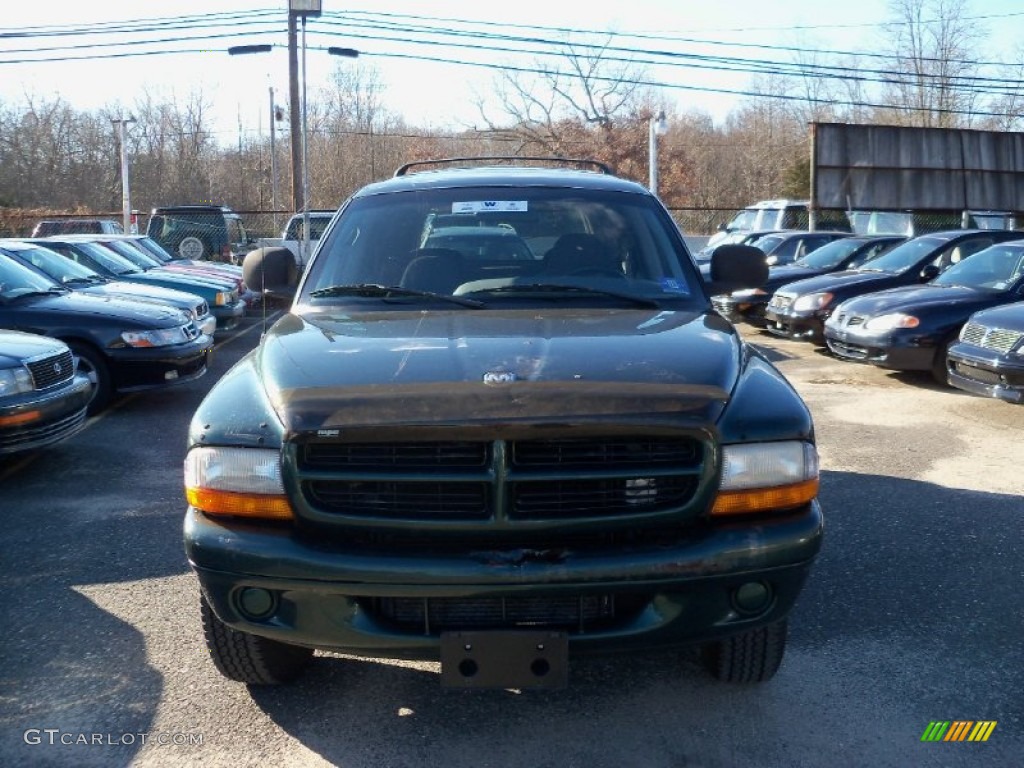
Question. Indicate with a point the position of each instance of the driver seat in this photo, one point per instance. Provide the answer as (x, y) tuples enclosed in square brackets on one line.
[(577, 252)]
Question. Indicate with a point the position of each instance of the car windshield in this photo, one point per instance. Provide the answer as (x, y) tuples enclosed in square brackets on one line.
[(997, 268), (104, 259), (153, 248), (831, 254), (768, 242), (132, 254), (18, 280), (59, 268), (905, 256), (516, 245), (745, 219)]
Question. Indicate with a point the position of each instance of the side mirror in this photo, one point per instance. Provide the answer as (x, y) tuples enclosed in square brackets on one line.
[(272, 272), (734, 267), (930, 272)]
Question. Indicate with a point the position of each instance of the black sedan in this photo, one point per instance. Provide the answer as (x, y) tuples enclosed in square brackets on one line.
[(799, 310), (988, 358), (42, 399), (79, 277), (120, 344), (845, 253), (910, 328)]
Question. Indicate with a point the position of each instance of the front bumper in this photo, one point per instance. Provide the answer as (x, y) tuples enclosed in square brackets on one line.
[(984, 372), (135, 369), (894, 351), (345, 600), (748, 310), (801, 327), (37, 419), (228, 316)]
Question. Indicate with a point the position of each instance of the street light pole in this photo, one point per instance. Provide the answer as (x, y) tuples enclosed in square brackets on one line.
[(126, 195), (273, 157), (658, 127)]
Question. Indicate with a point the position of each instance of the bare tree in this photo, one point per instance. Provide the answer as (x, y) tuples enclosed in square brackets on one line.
[(934, 75)]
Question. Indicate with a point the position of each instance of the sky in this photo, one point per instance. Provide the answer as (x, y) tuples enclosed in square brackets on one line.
[(425, 91)]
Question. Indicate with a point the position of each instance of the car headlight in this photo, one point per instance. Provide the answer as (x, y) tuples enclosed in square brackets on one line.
[(223, 298), (891, 321), (812, 302), (763, 477), (158, 338), (15, 381), (242, 482)]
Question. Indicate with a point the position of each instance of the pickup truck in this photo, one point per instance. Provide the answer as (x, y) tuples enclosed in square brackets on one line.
[(501, 459), (291, 236)]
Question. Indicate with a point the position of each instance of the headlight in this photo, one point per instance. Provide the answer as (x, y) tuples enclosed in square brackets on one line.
[(223, 298), (891, 321), (236, 481), (160, 338), (812, 302), (749, 293), (763, 477), (14, 381)]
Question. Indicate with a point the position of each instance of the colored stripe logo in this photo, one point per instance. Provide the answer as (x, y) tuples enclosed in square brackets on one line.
[(959, 730)]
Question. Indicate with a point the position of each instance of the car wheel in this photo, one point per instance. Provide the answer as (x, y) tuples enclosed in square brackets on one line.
[(91, 363), (939, 371), (751, 657), (191, 248), (249, 658)]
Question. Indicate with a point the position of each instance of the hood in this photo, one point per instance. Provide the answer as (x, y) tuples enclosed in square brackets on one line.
[(194, 277), (16, 346), (954, 299), (104, 310), (336, 370), (847, 282), (1009, 317), (123, 289), (176, 282)]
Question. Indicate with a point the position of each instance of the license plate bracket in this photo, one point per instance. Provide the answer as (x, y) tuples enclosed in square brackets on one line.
[(505, 659)]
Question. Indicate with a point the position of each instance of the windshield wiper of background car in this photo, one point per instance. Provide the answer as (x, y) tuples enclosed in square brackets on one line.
[(54, 291), (375, 290), (550, 288)]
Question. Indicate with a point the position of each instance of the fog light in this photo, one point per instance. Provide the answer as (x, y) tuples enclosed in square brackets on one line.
[(256, 603), (752, 597)]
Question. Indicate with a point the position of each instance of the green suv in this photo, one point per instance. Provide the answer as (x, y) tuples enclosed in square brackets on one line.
[(200, 232), (501, 463)]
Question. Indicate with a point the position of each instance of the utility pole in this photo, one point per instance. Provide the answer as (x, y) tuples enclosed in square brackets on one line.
[(273, 156), (126, 195), (294, 108)]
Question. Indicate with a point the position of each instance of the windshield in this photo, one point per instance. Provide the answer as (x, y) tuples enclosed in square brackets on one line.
[(18, 280), (905, 256), (97, 257), (996, 268), (132, 254), (831, 254), (61, 269), (596, 245)]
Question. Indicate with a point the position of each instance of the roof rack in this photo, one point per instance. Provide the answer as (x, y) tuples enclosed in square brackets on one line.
[(597, 164)]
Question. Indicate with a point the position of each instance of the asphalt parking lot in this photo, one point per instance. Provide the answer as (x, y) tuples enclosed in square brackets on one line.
[(912, 615)]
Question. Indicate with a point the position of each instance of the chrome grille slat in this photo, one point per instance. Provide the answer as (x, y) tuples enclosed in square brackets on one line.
[(45, 372)]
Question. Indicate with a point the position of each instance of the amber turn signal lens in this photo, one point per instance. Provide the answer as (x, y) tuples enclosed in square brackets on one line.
[(20, 418), (252, 505), (743, 502)]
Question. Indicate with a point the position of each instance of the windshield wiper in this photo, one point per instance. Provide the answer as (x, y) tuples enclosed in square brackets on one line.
[(578, 289), (55, 290), (377, 291), (80, 281)]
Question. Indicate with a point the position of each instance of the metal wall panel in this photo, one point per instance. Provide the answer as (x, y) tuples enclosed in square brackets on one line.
[(884, 167)]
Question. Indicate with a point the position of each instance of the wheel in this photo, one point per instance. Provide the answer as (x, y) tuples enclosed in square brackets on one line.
[(250, 658), (91, 363), (752, 657), (939, 371), (191, 248)]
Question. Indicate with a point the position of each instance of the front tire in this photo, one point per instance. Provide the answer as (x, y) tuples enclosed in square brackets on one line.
[(751, 657), (91, 363), (249, 658)]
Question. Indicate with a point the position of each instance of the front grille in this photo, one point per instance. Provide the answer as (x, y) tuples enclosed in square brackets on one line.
[(999, 340), (52, 370), (568, 612), (978, 374), (499, 484), (850, 321), (843, 349)]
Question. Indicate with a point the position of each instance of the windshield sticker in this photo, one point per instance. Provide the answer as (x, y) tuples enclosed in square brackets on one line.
[(499, 206), (671, 285)]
